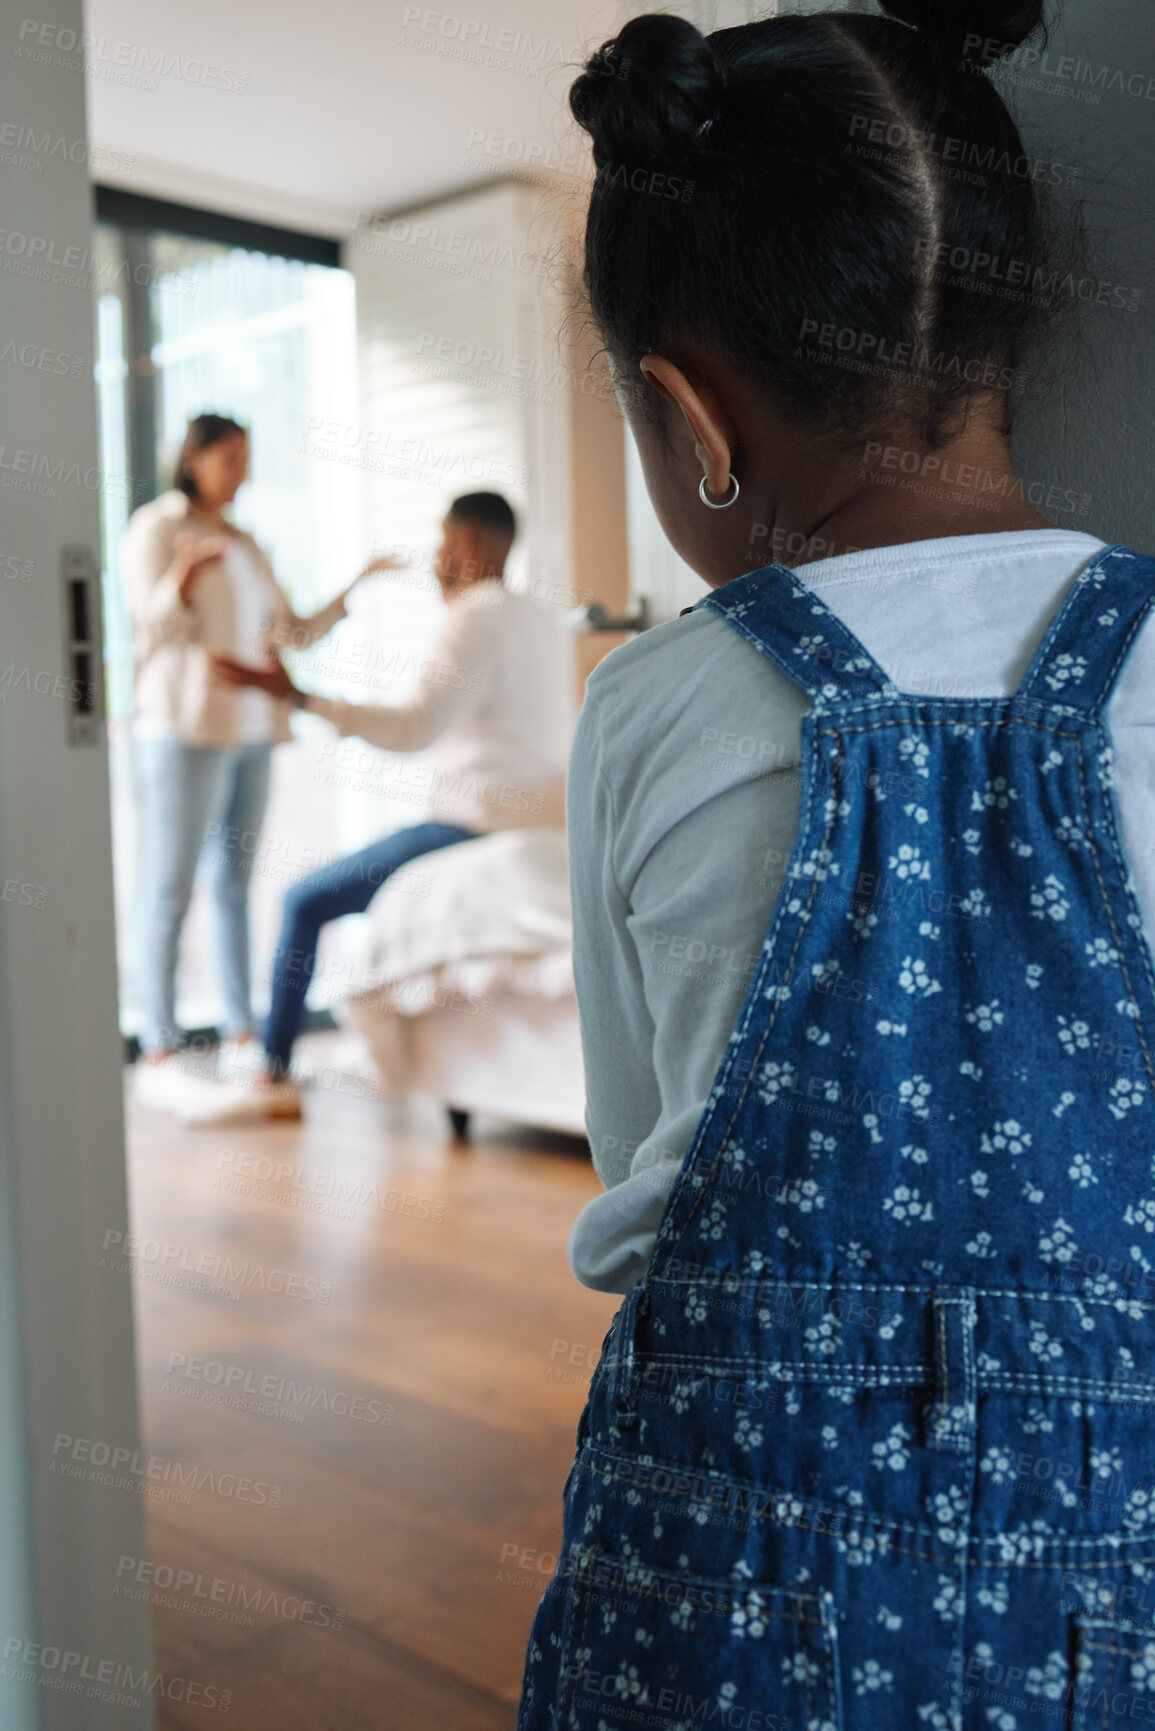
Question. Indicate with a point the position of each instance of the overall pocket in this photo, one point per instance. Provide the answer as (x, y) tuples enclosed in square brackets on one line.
[(645, 1646), (1114, 1676)]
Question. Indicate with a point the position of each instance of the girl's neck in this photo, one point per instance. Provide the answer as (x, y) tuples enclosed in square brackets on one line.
[(899, 492)]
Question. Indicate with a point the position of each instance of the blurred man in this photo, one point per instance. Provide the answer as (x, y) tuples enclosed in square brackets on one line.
[(497, 708)]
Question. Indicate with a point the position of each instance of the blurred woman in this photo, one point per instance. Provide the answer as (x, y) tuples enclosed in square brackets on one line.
[(196, 583)]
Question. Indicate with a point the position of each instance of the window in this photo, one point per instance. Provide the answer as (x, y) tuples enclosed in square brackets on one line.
[(187, 323)]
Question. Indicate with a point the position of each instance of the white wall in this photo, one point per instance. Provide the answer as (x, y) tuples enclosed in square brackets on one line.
[(464, 387), (66, 1328), (1090, 424)]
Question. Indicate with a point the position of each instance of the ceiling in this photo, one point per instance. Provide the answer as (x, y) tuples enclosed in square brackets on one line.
[(303, 112)]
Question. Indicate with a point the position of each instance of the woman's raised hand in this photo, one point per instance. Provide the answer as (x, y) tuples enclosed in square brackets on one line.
[(191, 553), (385, 562)]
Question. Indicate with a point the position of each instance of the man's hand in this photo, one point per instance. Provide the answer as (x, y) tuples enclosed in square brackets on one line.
[(271, 678)]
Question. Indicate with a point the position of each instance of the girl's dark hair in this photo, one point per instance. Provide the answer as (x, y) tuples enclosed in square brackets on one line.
[(819, 200), (203, 431)]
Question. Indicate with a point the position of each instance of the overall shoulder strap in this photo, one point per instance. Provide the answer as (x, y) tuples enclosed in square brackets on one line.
[(1082, 655), (791, 626)]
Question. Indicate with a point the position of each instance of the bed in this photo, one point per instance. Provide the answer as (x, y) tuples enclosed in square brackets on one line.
[(465, 991)]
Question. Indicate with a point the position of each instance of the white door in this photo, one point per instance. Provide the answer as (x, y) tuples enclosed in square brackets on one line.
[(73, 1653)]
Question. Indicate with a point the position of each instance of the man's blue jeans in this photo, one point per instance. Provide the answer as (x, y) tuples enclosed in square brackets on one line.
[(346, 886)]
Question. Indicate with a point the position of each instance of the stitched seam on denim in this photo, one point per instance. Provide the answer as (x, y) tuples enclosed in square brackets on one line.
[(761, 644), (853, 1518), (1092, 1646), (803, 1610), (1116, 1542), (1067, 609), (904, 1375), (799, 1607), (1146, 957), (1050, 1383), (834, 1684), (962, 711), (1110, 912), (778, 1372), (946, 721), (807, 1685), (1016, 721), (623, 1381), (945, 1432), (1025, 1294), (575, 1647), (876, 675), (802, 918), (690, 1361), (952, 1434), (733, 1047), (693, 1359), (971, 1384), (1107, 686), (942, 1376), (885, 1376)]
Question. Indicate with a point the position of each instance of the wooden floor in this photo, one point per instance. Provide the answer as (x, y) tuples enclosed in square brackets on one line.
[(416, 1533)]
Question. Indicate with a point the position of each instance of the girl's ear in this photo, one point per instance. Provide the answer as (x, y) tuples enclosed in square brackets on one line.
[(708, 424)]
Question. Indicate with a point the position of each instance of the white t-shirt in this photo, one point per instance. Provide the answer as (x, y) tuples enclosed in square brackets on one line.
[(495, 699), (682, 804)]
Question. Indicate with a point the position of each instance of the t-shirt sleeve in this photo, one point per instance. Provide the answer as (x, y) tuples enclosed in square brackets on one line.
[(617, 1033), (455, 676)]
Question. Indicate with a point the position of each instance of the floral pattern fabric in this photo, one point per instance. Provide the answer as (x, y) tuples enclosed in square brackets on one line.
[(872, 1442)]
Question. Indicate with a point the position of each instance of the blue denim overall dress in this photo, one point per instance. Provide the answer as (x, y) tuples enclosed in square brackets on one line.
[(872, 1443)]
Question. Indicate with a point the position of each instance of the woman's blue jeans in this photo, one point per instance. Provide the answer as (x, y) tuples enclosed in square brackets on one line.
[(345, 886), (192, 799)]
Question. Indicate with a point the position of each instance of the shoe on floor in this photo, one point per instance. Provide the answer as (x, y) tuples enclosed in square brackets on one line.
[(240, 1061), (170, 1084), (241, 1102)]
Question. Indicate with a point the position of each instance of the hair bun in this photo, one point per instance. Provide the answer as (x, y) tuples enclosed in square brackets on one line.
[(646, 97), (978, 32)]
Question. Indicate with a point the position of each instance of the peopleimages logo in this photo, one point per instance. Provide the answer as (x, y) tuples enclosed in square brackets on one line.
[(236, 1380), (1065, 68), (130, 62), (215, 1596), (103, 1679), (133, 1253), (125, 1469)]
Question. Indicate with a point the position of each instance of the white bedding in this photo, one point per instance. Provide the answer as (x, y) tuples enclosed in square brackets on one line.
[(503, 895), (465, 987)]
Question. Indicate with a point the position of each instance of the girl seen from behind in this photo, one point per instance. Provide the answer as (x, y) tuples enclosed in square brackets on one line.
[(862, 912)]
